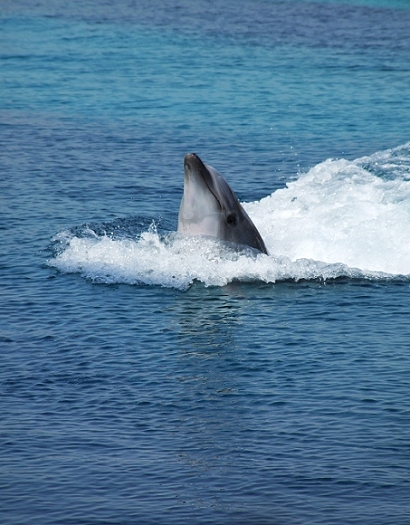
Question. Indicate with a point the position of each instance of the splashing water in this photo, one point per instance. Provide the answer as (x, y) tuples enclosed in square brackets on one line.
[(341, 218)]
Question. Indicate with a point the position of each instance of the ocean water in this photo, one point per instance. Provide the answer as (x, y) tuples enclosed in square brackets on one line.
[(150, 378)]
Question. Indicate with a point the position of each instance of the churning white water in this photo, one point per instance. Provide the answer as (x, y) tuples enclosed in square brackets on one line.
[(341, 218)]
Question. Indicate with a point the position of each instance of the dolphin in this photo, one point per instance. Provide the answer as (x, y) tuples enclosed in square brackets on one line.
[(210, 207)]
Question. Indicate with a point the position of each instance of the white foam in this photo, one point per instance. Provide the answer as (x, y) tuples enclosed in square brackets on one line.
[(339, 219)]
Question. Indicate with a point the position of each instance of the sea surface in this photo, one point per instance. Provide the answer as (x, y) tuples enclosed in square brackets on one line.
[(149, 378)]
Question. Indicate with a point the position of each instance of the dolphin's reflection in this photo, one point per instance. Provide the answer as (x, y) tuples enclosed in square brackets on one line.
[(207, 323), (209, 371)]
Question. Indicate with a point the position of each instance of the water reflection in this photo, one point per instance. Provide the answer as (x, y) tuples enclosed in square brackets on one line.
[(215, 420), (208, 320)]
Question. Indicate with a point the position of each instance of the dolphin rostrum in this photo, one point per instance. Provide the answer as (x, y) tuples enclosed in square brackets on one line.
[(210, 207)]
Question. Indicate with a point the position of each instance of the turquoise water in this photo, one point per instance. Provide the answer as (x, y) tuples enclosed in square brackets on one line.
[(148, 378)]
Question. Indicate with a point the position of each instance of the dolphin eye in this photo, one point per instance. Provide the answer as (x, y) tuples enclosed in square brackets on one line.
[(231, 219)]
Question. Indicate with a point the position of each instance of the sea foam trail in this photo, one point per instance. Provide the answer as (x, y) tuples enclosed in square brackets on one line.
[(341, 218), (356, 213)]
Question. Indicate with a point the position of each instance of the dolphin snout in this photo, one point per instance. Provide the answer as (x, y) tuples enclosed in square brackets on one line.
[(192, 160)]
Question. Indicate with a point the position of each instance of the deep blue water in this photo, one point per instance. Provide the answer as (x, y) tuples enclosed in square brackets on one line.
[(150, 380)]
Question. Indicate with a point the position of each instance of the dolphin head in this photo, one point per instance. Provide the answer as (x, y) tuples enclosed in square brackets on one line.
[(210, 207)]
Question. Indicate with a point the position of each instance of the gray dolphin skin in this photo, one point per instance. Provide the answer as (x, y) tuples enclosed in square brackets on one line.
[(210, 207)]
